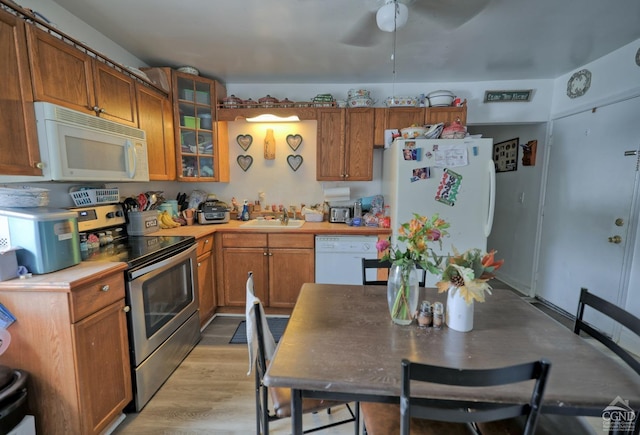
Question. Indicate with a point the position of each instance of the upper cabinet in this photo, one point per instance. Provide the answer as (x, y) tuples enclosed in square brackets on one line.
[(345, 144), (396, 118), (19, 152), (155, 117), (447, 115), (65, 75), (202, 148)]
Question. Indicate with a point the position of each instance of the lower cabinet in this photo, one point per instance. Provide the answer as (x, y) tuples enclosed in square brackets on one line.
[(206, 288), (73, 342), (280, 262)]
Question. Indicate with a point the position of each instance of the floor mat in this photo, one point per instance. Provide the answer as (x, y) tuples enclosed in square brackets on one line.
[(276, 325)]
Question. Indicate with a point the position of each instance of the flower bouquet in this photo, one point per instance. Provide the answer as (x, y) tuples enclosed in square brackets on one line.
[(402, 287), (469, 272), (465, 278)]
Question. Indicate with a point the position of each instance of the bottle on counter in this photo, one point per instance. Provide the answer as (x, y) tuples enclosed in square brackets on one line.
[(245, 211), (385, 220)]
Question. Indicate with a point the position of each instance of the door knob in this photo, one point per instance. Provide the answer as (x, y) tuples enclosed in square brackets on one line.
[(615, 239)]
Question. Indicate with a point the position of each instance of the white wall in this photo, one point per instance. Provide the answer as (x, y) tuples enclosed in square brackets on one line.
[(614, 77), (515, 223), (280, 183)]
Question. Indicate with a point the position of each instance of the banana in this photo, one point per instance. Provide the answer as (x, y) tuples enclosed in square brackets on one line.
[(167, 221)]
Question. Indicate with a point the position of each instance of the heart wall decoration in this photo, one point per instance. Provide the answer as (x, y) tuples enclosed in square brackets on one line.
[(294, 161), (245, 162), (294, 141), (245, 141)]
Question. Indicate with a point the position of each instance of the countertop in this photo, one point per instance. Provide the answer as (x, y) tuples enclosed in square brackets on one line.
[(198, 231), (66, 279)]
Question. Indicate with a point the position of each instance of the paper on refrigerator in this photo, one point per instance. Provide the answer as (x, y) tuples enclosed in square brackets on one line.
[(449, 156)]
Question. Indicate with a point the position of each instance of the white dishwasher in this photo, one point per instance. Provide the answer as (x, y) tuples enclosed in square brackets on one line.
[(339, 258)]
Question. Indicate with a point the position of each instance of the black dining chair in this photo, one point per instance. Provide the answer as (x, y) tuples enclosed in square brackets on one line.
[(577, 425), (428, 416), (281, 397), (369, 264), (617, 314)]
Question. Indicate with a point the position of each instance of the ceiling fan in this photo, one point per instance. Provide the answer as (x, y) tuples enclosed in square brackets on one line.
[(391, 15)]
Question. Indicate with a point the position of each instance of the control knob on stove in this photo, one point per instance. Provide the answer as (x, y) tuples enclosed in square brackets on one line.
[(113, 214)]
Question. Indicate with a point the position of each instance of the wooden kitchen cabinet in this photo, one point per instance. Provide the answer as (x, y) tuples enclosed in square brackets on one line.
[(201, 142), (73, 342), (345, 144), (291, 264), (397, 118), (447, 115), (19, 151), (280, 262), (155, 117), (206, 288), (65, 75)]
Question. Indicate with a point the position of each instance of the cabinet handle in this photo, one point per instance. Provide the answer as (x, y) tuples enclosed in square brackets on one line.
[(199, 264), (206, 241), (40, 165), (265, 254), (126, 308), (270, 254), (105, 288)]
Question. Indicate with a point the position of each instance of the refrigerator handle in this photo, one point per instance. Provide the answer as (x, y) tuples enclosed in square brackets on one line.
[(492, 198)]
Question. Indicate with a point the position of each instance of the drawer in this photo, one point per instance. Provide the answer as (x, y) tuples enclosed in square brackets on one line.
[(205, 244), (291, 241), (236, 240), (90, 298)]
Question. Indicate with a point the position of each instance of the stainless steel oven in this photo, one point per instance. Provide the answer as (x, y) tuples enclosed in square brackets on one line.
[(163, 319), (161, 292)]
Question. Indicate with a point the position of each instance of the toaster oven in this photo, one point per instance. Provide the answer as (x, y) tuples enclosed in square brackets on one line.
[(213, 212)]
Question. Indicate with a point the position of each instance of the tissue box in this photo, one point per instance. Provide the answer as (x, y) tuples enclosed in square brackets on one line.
[(8, 264)]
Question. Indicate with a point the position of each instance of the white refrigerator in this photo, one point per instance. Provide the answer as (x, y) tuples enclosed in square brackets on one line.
[(452, 177)]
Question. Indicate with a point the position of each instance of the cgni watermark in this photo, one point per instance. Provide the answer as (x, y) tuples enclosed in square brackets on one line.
[(618, 416)]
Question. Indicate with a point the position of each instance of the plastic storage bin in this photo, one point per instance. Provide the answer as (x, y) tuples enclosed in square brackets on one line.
[(48, 238)]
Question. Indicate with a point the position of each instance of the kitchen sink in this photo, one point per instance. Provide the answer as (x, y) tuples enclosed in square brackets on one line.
[(274, 223)]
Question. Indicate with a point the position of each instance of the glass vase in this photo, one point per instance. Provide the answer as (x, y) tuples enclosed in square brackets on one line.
[(402, 293), (459, 314)]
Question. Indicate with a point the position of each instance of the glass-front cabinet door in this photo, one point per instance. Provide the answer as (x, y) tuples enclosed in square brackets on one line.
[(200, 143)]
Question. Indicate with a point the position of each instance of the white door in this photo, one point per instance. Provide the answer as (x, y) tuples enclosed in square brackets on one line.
[(588, 202)]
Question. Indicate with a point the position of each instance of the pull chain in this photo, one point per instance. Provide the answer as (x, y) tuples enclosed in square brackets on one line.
[(393, 55)]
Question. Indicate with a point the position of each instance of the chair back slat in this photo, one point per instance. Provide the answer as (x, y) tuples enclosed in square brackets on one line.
[(460, 411), (614, 312)]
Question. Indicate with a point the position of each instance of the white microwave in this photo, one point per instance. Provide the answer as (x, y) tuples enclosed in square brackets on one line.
[(75, 146)]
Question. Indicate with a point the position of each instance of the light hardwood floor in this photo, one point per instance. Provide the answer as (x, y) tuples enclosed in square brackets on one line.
[(210, 393)]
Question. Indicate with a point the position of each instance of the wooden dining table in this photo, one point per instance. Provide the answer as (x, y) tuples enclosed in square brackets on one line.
[(340, 343)]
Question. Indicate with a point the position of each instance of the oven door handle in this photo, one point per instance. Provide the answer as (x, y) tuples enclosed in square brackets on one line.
[(167, 262)]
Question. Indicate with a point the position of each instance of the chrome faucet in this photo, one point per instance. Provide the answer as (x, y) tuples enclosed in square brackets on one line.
[(284, 219)]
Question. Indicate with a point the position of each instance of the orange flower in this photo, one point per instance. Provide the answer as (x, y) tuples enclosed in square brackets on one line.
[(488, 261)]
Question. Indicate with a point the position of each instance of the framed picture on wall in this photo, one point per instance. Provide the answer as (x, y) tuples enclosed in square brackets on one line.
[(505, 155)]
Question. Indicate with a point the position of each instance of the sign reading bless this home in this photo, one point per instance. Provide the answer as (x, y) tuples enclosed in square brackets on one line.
[(504, 96)]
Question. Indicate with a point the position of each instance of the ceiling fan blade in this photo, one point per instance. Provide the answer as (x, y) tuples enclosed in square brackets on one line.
[(365, 32), (447, 13)]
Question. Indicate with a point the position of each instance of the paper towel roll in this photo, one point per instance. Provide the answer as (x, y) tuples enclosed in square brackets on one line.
[(337, 194)]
